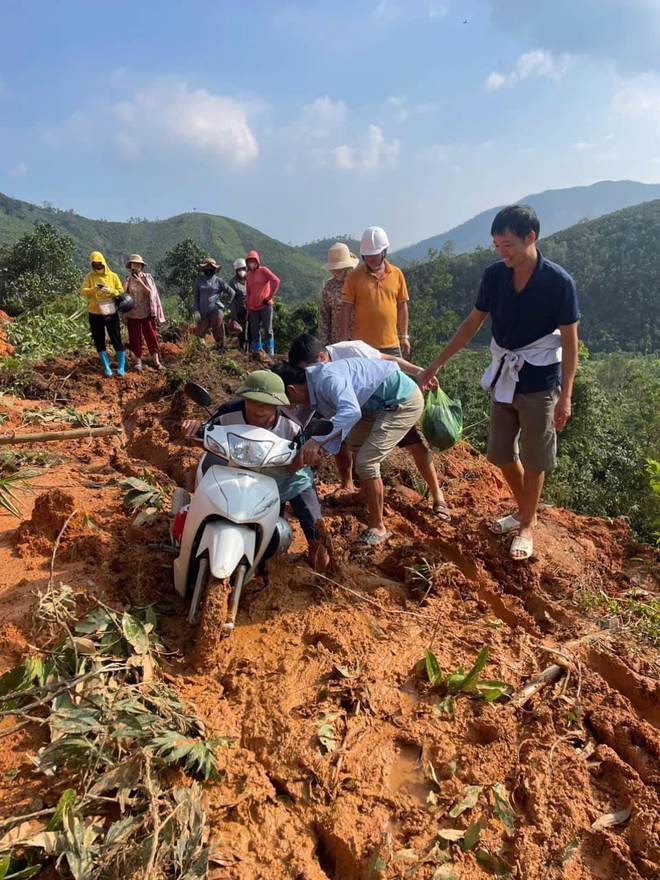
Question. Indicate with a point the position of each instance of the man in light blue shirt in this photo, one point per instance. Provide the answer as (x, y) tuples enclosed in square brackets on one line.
[(372, 405)]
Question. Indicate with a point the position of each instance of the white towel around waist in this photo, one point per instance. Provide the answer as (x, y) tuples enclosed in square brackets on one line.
[(541, 353)]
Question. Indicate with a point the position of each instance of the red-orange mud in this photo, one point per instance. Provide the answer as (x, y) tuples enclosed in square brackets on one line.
[(306, 651)]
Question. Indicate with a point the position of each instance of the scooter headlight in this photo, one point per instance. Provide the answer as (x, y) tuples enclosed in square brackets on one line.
[(247, 453)]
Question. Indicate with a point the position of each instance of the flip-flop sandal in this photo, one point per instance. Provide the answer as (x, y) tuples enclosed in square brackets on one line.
[(504, 525), (370, 539), (524, 546), (441, 510)]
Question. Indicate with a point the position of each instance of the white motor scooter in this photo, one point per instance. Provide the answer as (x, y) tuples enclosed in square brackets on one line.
[(232, 523)]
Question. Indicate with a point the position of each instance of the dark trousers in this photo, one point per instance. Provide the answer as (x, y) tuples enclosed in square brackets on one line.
[(307, 509), (262, 319), (98, 324), (239, 313)]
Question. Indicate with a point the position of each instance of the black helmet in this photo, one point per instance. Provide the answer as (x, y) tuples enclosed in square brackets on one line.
[(125, 302)]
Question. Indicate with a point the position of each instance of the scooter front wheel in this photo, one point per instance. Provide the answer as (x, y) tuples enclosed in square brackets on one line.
[(209, 591)]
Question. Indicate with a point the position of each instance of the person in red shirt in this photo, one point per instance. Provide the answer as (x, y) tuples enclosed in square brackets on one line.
[(261, 287)]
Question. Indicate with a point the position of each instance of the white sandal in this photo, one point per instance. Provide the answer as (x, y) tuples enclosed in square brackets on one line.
[(523, 546), (504, 525)]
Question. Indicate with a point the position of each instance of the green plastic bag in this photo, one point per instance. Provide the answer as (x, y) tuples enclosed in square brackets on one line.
[(442, 420)]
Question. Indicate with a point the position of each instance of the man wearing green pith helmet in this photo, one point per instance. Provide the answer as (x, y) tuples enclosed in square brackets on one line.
[(262, 402)]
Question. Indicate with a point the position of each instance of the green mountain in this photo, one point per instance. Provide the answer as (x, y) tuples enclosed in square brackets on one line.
[(319, 249), (614, 261), (557, 209), (223, 238)]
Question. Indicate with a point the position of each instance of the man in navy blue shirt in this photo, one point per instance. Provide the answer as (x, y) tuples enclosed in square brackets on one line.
[(534, 311)]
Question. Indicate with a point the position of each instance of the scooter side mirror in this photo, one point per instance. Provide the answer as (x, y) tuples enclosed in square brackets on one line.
[(318, 428), (198, 394)]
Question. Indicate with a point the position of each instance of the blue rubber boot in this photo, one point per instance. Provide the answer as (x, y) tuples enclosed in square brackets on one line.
[(121, 362), (270, 346), (103, 357), (256, 346)]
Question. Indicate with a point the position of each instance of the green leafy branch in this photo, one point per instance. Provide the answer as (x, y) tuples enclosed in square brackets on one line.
[(461, 682)]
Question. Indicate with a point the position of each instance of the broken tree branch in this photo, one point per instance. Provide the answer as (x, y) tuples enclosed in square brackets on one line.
[(52, 436), (553, 673)]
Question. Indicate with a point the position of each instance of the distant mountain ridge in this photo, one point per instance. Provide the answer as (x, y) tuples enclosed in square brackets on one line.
[(223, 238), (614, 261), (557, 209), (319, 248)]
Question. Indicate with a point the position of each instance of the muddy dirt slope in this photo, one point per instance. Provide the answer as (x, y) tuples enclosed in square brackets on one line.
[(346, 763)]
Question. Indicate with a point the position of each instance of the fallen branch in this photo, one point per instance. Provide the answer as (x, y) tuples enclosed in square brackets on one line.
[(553, 673), (52, 436)]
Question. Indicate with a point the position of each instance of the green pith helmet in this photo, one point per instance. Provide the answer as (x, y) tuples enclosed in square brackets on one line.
[(262, 386)]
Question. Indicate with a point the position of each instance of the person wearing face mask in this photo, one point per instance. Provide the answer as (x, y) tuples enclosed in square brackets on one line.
[(340, 262), (101, 287), (238, 309), (141, 320), (209, 310), (262, 285)]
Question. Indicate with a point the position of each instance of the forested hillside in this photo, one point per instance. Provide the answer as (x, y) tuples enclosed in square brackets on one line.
[(614, 261), (223, 238), (319, 249), (557, 208)]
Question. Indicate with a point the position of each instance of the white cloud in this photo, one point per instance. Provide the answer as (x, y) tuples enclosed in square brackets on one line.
[(166, 112), (623, 31), (639, 98), (393, 10), (320, 120), (435, 154), (397, 109), (535, 63), (581, 146), (19, 170), (166, 115), (374, 154)]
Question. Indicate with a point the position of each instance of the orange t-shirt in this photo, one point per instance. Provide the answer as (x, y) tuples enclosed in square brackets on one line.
[(375, 304)]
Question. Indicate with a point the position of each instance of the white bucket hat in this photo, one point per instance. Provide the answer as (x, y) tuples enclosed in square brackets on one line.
[(340, 257)]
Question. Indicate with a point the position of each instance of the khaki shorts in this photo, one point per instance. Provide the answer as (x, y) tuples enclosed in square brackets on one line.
[(378, 432), (525, 430)]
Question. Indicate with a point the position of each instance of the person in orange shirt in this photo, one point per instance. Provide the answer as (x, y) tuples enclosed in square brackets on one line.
[(375, 297)]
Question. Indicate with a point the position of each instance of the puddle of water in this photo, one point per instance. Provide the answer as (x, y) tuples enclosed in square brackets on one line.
[(406, 776), (408, 697)]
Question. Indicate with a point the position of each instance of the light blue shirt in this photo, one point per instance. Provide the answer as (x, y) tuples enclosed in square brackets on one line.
[(340, 390)]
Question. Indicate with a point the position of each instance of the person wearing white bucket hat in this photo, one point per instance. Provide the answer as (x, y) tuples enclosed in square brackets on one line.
[(340, 262), (147, 309)]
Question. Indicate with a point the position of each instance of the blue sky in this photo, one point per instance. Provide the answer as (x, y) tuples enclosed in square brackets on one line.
[(313, 119)]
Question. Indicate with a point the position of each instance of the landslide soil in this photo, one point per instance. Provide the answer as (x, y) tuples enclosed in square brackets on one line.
[(342, 651)]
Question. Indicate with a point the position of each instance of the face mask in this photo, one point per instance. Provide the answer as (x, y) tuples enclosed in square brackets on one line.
[(209, 272), (242, 273)]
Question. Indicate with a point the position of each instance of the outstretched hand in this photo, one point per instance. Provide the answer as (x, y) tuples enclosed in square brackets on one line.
[(428, 379)]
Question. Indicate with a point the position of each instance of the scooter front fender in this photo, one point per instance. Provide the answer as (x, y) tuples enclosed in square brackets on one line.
[(226, 544)]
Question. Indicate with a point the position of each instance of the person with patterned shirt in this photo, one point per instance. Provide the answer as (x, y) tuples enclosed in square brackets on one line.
[(141, 320), (340, 262)]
